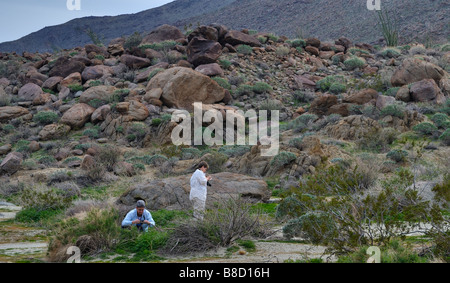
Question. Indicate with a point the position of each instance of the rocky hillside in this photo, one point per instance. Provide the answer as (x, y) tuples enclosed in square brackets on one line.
[(422, 21), (95, 121)]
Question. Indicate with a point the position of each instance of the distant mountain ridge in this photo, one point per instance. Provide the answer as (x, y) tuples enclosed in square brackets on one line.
[(418, 20)]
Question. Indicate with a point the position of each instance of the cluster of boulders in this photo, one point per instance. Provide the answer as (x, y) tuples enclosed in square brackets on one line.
[(115, 86)]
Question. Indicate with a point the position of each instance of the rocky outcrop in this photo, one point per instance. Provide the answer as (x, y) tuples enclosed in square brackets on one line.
[(163, 33), (173, 193), (183, 86), (414, 70), (10, 112), (11, 163), (203, 51), (53, 131), (77, 115)]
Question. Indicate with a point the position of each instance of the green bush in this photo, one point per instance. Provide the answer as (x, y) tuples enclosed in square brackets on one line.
[(282, 159), (441, 120), (160, 46), (133, 40), (390, 53), (45, 117), (261, 87), (337, 88), (298, 43), (154, 73), (445, 137), (226, 64), (425, 128), (397, 155), (392, 91), (325, 84), (243, 89), (314, 227), (93, 133), (222, 82), (244, 49), (393, 110), (354, 63)]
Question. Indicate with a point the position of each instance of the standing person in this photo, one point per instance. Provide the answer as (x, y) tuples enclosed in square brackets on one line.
[(198, 192), (139, 217)]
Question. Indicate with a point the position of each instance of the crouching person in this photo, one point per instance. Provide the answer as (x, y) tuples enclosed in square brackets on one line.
[(139, 217)]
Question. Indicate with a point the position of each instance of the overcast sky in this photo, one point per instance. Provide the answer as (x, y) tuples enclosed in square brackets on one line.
[(21, 17)]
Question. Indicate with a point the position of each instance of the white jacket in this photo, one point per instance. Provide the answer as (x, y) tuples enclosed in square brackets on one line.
[(198, 185)]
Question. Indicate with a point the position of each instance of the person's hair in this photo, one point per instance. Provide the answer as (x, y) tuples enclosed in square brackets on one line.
[(202, 164), (140, 203)]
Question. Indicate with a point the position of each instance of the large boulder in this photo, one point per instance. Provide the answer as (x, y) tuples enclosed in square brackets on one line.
[(173, 193), (362, 96), (203, 51), (183, 86), (163, 33), (101, 92), (11, 164), (29, 92), (96, 72), (352, 128), (135, 62), (53, 131), (414, 70), (77, 115), (426, 90), (10, 112), (65, 66), (322, 104), (235, 37)]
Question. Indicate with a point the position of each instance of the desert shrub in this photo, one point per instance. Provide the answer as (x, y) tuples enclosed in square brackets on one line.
[(46, 117), (394, 252), (304, 96), (222, 82), (133, 40), (215, 160), (395, 110), (302, 123), (232, 220), (441, 120), (326, 83), (282, 159), (417, 50), (156, 160), (136, 132), (234, 150), (107, 156), (167, 167), (261, 87), (377, 140), (397, 155), (445, 137), (160, 46), (337, 88), (282, 51), (244, 49), (388, 28), (297, 43), (93, 133), (226, 64), (243, 89), (314, 227), (354, 63), (47, 160), (390, 53), (40, 198), (270, 104), (190, 153), (425, 128), (99, 231), (392, 91)]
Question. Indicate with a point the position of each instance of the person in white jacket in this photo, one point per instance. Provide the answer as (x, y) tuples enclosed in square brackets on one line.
[(198, 192)]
